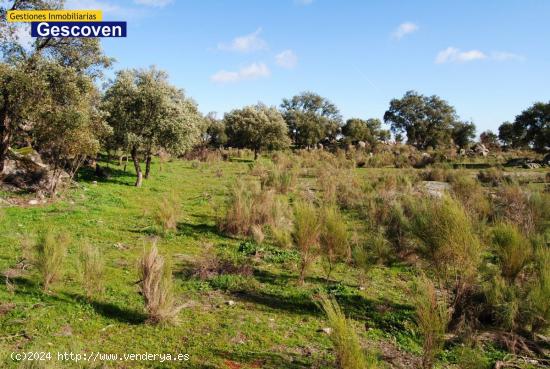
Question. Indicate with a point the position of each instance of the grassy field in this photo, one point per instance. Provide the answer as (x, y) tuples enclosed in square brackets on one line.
[(262, 320)]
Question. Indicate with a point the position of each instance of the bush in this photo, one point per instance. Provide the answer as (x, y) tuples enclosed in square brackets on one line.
[(512, 250), (334, 237), (50, 253), (511, 204), (248, 206), (472, 196), (539, 293), (493, 176), (167, 214), (156, 287), (447, 238), (306, 235), (432, 317), (92, 269), (348, 351)]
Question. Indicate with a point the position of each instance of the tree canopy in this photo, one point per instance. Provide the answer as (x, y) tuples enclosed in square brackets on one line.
[(369, 131), (148, 113), (256, 127), (427, 121), (311, 119)]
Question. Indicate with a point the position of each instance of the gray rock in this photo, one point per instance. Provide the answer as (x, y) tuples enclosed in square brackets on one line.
[(361, 145), (531, 165), (436, 189)]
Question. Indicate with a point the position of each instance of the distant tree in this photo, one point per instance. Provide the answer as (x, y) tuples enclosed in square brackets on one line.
[(534, 123), (489, 139), (148, 113), (311, 119), (369, 131), (256, 127), (215, 131), (510, 135), (427, 121), (463, 134)]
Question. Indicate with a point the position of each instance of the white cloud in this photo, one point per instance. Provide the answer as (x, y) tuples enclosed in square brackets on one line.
[(506, 56), (252, 71), (154, 3), (286, 59), (452, 54), (404, 29), (246, 43)]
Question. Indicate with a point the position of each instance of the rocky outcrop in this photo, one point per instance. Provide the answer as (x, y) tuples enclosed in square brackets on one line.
[(25, 170)]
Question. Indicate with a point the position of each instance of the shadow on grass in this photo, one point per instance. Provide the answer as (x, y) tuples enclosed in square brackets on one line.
[(197, 230), (264, 360), (112, 311), (113, 175)]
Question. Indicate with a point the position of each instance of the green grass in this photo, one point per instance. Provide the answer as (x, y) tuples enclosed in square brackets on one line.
[(274, 323)]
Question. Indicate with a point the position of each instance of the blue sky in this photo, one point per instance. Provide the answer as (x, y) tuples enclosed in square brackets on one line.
[(490, 59)]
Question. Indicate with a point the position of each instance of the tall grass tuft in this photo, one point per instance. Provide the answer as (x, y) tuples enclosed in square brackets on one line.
[(92, 269), (539, 293), (156, 287), (50, 254), (513, 250), (333, 238), (168, 213), (306, 235), (447, 237), (432, 317), (348, 351)]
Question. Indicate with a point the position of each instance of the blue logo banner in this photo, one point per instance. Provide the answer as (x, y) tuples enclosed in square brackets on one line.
[(78, 29)]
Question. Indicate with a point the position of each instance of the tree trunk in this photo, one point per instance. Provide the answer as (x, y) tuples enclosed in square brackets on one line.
[(139, 175), (147, 165), (5, 138)]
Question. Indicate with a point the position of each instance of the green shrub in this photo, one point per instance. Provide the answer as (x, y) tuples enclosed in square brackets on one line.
[(348, 351), (472, 196), (156, 287), (306, 235), (334, 237), (432, 317), (92, 269), (447, 238), (50, 254), (539, 293), (513, 250)]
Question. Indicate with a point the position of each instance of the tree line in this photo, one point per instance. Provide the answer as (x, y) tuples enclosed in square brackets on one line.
[(50, 101)]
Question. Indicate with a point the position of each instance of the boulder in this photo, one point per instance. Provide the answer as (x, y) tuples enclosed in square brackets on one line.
[(25, 170), (531, 165), (361, 145), (480, 149), (546, 160), (436, 188)]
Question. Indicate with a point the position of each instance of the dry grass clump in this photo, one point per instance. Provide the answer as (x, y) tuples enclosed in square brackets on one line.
[(493, 176), (50, 253), (471, 194), (92, 270), (432, 318), (247, 206), (306, 235), (340, 186), (511, 204), (512, 249), (167, 214), (156, 287), (212, 263), (347, 348), (334, 238)]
